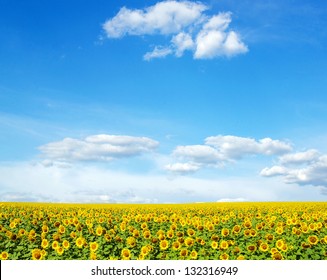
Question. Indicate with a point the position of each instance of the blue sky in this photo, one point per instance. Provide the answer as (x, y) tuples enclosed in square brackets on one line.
[(171, 101)]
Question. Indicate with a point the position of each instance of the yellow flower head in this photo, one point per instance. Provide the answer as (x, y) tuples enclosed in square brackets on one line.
[(223, 245), (224, 256), (264, 247), (94, 246), (45, 243), (164, 244), (79, 242), (126, 254), (183, 253), (214, 244), (189, 241), (36, 254), (313, 240), (225, 232), (65, 244), (194, 255), (60, 251), (4, 255), (99, 230), (176, 245)]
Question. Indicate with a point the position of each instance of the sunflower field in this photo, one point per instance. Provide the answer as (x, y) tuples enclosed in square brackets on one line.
[(203, 231)]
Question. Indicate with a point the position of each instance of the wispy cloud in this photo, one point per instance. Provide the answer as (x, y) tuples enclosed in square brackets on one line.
[(207, 36), (101, 147)]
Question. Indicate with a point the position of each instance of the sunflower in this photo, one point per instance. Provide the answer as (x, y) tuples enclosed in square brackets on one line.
[(161, 237), (164, 244), (176, 245), (61, 229), (99, 231), (144, 225), (183, 253), (269, 237), (251, 248), (313, 240), (210, 227), (189, 241), (223, 245), (236, 250), (247, 232), (60, 251), (93, 256), (126, 254), (136, 233), (194, 255), (312, 226), (224, 256), (45, 243), (131, 241), (170, 234), (36, 254), (65, 244), (200, 227), (284, 247), (247, 224), (94, 246), (79, 242), (264, 247), (146, 234), (279, 230), (214, 244), (73, 234), (225, 232), (55, 245), (144, 250), (277, 256), (236, 229), (45, 228), (240, 257), (304, 229), (4, 255), (279, 244), (190, 232)]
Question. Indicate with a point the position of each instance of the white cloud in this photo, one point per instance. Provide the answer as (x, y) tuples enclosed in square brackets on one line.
[(101, 147), (167, 17), (222, 149), (312, 172), (235, 147), (300, 157), (207, 36), (198, 153), (182, 42), (213, 40), (157, 53), (86, 183), (182, 168), (273, 171)]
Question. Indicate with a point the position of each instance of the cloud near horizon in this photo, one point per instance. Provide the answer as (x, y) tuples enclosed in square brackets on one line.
[(302, 168), (207, 36)]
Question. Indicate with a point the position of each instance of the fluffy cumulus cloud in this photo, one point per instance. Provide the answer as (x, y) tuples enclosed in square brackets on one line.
[(221, 149), (102, 147), (302, 168), (235, 147), (185, 23)]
